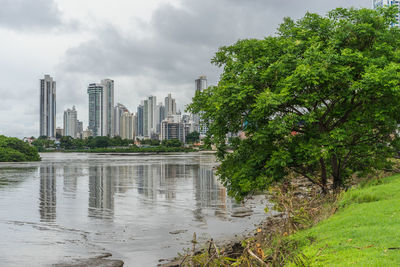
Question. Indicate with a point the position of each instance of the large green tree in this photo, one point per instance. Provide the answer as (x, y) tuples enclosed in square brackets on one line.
[(320, 99)]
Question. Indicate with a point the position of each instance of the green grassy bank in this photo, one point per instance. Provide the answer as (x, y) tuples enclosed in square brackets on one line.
[(365, 231)]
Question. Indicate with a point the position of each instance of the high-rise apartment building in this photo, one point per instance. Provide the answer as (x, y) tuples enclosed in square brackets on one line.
[(101, 108), (382, 3), (160, 116), (146, 118), (201, 83), (47, 106), (95, 92), (139, 121), (170, 106), (152, 120), (127, 126), (70, 122), (119, 110), (108, 107), (198, 124), (79, 129)]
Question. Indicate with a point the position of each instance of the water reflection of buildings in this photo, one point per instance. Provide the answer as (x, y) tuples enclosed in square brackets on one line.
[(161, 180), (47, 199), (104, 183), (71, 174), (101, 192), (209, 193)]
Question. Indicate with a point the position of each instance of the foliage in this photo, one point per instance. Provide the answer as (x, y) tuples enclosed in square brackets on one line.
[(42, 143), (364, 231), (193, 137), (150, 142), (319, 99), (14, 150), (135, 149), (172, 143)]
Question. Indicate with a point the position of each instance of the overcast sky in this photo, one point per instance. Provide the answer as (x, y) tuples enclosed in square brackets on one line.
[(150, 47)]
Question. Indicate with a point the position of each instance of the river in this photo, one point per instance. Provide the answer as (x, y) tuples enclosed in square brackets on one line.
[(141, 208)]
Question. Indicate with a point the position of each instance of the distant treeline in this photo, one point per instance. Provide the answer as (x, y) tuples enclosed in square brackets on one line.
[(15, 150), (108, 144)]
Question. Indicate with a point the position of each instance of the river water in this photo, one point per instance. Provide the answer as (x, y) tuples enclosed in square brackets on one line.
[(140, 208)]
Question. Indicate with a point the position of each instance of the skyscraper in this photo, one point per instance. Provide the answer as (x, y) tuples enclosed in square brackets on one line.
[(119, 110), (108, 107), (70, 122), (382, 3), (152, 124), (160, 115), (146, 118), (140, 121), (198, 125), (95, 92), (201, 83), (170, 106), (101, 108), (47, 106)]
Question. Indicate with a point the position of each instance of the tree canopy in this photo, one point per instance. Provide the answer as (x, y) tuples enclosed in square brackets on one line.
[(15, 150), (320, 99)]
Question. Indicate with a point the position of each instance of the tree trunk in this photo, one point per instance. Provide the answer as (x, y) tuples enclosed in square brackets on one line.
[(337, 181), (323, 176)]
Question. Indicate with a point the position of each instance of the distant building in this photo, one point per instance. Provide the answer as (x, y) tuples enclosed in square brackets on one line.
[(101, 108), (146, 118), (201, 83), (170, 106), (60, 131), (47, 107), (87, 133), (139, 121), (152, 124), (382, 3), (119, 110), (95, 92), (198, 124), (171, 129), (160, 116), (108, 107), (70, 122), (79, 129), (127, 126)]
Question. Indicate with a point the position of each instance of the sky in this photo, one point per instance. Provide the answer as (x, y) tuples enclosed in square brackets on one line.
[(151, 47)]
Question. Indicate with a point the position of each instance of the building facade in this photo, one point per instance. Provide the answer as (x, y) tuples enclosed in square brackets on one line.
[(70, 122), (47, 107), (108, 107), (95, 92), (139, 121), (170, 106), (201, 83), (119, 110), (101, 108)]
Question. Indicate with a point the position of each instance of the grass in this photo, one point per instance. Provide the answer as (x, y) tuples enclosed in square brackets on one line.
[(365, 231)]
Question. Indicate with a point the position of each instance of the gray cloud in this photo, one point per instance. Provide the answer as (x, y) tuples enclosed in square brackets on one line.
[(183, 40), (29, 14)]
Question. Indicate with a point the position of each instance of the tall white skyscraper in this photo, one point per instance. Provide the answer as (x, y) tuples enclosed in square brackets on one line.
[(47, 106), (108, 107), (382, 3), (152, 120), (70, 122)]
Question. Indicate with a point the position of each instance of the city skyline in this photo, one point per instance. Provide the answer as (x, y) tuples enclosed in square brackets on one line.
[(107, 119), (156, 46)]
